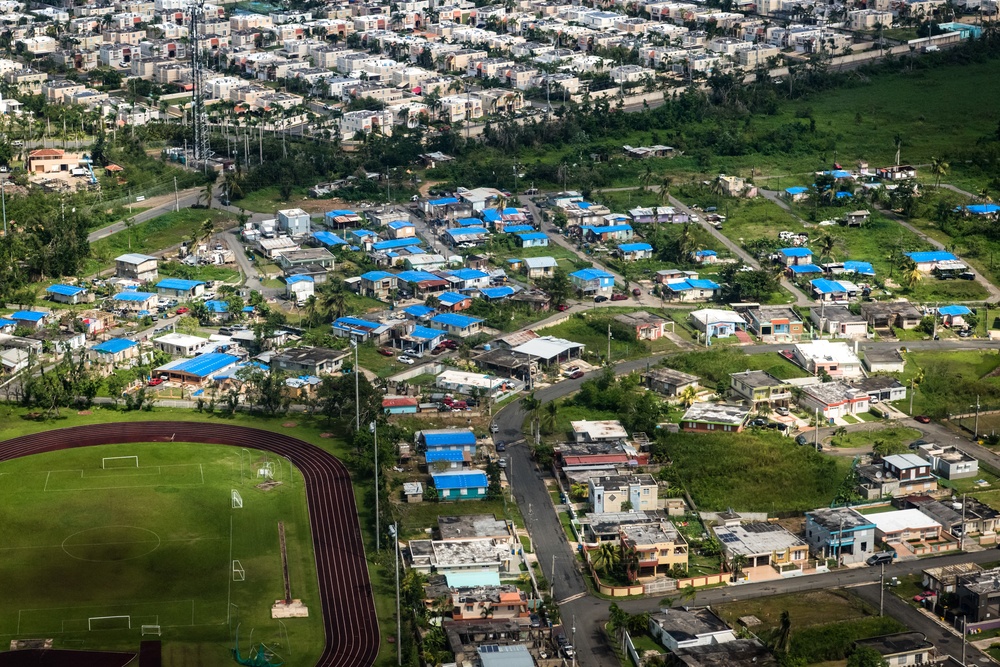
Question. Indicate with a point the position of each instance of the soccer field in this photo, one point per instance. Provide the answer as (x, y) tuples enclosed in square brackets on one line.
[(101, 543)]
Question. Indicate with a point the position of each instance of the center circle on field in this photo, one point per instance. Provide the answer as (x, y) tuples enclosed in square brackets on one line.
[(111, 544)]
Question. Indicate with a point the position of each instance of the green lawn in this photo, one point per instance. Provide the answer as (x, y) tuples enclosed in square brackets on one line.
[(754, 471), (897, 435), (153, 235), (204, 272), (716, 365), (152, 542), (415, 517), (591, 329), (952, 380)]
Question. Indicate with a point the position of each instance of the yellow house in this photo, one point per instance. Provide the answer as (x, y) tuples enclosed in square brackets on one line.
[(659, 547)]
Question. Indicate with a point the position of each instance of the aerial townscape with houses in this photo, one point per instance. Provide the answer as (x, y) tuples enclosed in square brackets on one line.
[(610, 333)]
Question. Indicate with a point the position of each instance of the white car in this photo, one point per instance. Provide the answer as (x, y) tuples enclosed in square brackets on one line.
[(406, 360), (494, 428)]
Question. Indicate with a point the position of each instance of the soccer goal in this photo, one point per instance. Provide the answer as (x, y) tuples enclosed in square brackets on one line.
[(150, 630), (237, 500), (239, 574), (120, 462), (109, 623)]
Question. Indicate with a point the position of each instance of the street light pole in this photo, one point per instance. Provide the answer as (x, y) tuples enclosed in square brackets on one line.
[(881, 589), (378, 540), (574, 639), (399, 621), (357, 392)]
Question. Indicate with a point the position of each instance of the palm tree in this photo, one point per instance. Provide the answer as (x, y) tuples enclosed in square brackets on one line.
[(911, 274), (826, 244), (688, 396), (205, 231), (548, 418), (783, 640), (334, 303), (606, 558), (311, 304), (736, 565), (206, 194), (663, 194), (939, 168), (646, 179)]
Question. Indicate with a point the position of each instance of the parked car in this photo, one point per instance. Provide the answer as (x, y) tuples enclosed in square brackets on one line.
[(181, 311), (618, 296), (576, 375), (967, 275), (535, 621), (405, 360), (561, 307), (155, 381), (781, 410), (501, 446), (636, 292), (965, 333), (387, 352), (923, 419), (926, 595), (758, 422), (880, 558), (600, 299), (801, 440)]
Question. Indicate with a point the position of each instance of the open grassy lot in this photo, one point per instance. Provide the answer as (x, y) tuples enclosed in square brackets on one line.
[(591, 329), (754, 471), (950, 381), (896, 435), (824, 624), (415, 517), (151, 541), (715, 365), (154, 235)]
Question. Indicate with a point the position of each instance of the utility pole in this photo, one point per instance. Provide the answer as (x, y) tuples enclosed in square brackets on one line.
[(816, 440), (965, 634), (378, 536), (3, 202), (609, 342), (911, 396), (881, 589), (552, 581), (399, 620), (357, 393), (177, 201), (961, 538), (976, 432)]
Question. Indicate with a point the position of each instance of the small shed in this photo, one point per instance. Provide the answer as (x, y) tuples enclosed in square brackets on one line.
[(413, 492)]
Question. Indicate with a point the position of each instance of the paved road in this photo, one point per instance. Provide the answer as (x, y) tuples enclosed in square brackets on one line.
[(158, 206), (541, 520)]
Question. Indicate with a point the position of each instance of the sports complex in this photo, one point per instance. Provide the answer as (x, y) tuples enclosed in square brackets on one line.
[(185, 534)]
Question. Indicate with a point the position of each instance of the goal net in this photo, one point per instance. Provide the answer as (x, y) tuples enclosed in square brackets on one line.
[(109, 623), (151, 630), (239, 574), (120, 462), (237, 500)]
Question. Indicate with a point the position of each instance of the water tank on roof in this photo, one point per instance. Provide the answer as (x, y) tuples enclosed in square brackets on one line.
[(487, 347)]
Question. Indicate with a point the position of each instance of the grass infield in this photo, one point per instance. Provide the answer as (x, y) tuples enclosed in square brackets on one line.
[(96, 548)]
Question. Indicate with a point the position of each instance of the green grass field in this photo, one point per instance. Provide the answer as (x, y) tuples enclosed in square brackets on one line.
[(91, 550), (952, 381), (716, 365)]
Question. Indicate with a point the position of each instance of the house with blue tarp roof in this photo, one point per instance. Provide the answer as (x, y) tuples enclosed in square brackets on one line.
[(467, 279), (794, 256), (592, 281), (340, 218), (359, 329), (497, 293), (7, 325), (954, 316), (453, 301), (445, 207), (983, 209), (457, 325), (440, 460), (395, 244), (469, 222), (474, 235), (533, 240), (461, 485), (461, 439), (421, 338), (705, 256), (70, 294), (632, 252), (839, 174), (362, 235), (831, 290), (180, 289), (402, 229), (797, 193), (691, 289), (378, 284), (117, 351), (199, 369), (135, 301), (299, 288), (804, 269), (517, 229), (329, 239), (859, 268), (418, 311), (927, 261), (608, 233), (491, 216)]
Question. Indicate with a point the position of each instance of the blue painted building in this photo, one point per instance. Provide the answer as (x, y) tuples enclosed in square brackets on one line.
[(461, 439), (461, 485), (592, 281)]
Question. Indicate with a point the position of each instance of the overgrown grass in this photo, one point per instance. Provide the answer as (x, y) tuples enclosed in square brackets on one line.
[(894, 435), (754, 471), (154, 235), (416, 517), (591, 329), (715, 366), (952, 381)]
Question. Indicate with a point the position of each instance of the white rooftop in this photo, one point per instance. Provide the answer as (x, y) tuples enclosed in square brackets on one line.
[(893, 522), (825, 350), (716, 316), (181, 340), (608, 429), (547, 347)]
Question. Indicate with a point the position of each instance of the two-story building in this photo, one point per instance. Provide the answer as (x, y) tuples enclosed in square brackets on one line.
[(309, 360), (840, 533), (835, 359), (617, 493), (913, 472), (593, 282), (135, 266), (760, 388), (774, 323), (834, 400), (660, 548)]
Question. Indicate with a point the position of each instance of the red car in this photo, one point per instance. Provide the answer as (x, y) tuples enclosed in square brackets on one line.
[(386, 352), (155, 381), (923, 419), (561, 307), (576, 376), (181, 311), (637, 292), (619, 297), (926, 595), (449, 344)]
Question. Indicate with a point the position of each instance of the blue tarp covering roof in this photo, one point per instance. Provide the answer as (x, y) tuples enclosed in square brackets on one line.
[(591, 274), (843, 195), (931, 256), (532, 236), (395, 243), (133, 296), (491, 215), (444, 201), (497, 292), (469, 274), (375, 276), (328, 238), (466, 231), (336, 213), (982, 209), (449, 437), (28, 315), (114, 345), (217, 306), (451, 298), (291, 280), (805, 268), (469, 222), (954, 310), (608, 229), (418, 310), (633, 247), (796, 190), (691, 283), (460, 480), (203, 365), (824, 286), (7, 323), (516, 229), (704, 253), (796, 252), (417, 276), (425, 333), (400, 224), (862, 268), (455, 320), (838, 173), (178, 284), (450, 455), (65, 290)]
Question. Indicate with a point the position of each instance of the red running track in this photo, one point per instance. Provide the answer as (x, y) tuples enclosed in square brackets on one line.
[(352, 633)]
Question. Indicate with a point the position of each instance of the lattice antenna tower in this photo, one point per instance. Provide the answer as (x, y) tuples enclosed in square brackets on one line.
[(199, 120)]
